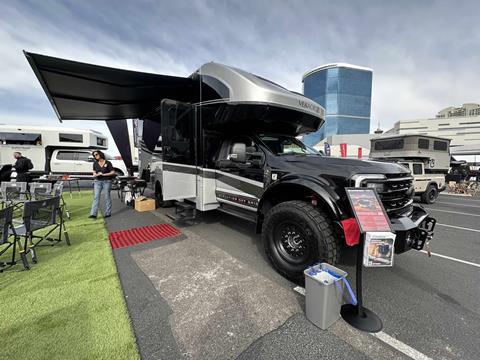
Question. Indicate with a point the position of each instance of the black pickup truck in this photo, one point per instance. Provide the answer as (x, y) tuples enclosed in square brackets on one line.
[(298, 196)]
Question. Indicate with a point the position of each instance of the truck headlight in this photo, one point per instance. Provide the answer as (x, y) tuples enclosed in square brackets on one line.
[(377, 186)]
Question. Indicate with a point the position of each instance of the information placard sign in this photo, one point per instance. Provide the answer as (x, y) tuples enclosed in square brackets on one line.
[(368, 210)]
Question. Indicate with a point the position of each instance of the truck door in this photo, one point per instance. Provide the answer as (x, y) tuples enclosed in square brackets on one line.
[(239, 182), (179, 167)]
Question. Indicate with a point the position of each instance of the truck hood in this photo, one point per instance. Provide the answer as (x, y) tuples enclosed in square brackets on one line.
[(340, 167)]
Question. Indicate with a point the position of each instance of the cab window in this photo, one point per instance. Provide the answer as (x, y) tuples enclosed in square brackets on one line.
[(417, 169)]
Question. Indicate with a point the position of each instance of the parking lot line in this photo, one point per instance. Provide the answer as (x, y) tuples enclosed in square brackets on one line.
[(452, 258), (457, 204), (387, 339), (400, 346), (458, 227), (453, 212)]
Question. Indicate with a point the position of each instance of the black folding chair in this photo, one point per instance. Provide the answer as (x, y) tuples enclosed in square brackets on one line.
[(57, 190), (9, 239), (39, 191), (44, 215), (13, 193)]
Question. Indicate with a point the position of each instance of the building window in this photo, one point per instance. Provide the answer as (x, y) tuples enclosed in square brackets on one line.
[(470, 123), (394, 144), (445, 124), (440, 145), (415, 128), (65, 155), (423, 143), (417, 169), (71, 138)]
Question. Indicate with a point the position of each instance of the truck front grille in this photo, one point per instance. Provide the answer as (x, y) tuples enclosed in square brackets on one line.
[(396, 195)]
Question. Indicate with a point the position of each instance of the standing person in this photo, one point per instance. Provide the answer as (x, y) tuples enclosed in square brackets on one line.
[(22, 166), (103, 173)]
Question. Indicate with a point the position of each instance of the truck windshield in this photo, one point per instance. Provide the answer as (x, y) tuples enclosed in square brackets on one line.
[(286, 145)]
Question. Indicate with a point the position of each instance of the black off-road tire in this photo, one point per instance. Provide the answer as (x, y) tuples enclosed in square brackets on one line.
[(430, 195), (318, 232)]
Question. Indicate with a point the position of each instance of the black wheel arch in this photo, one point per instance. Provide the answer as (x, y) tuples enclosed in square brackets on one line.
[(300, 188)]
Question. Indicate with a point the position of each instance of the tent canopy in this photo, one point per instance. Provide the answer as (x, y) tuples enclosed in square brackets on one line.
[(80, 91)]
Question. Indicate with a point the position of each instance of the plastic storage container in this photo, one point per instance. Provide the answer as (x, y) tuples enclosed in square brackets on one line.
[(324, 290)]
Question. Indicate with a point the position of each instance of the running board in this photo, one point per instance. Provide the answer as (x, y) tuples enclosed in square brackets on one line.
[(240, 213), (183, 211)]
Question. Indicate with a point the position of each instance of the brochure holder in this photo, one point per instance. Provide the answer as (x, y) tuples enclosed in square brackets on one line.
[(371, 217)]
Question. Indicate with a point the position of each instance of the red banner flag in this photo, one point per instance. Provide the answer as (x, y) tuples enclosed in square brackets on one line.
[(343, 150), (360, 154)]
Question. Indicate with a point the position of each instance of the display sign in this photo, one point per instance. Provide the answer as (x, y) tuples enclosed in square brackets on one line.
[(368, 210), (343, 150), (378, 249), (360, 152)]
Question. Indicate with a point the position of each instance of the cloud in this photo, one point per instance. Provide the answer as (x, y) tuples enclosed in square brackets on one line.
[(424, 54)]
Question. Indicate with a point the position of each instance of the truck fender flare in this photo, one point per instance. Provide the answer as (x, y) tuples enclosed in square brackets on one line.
[(325, 196)]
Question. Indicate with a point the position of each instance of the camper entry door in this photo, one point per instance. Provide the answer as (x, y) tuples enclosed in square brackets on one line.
[(179, 170)]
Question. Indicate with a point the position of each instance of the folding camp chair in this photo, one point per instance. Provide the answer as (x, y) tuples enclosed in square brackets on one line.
[(57, 190), (44, 215), (39, 191), (6, 234), (13, 193)]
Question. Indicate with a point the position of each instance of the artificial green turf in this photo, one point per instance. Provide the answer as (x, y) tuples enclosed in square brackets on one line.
[(70, 304)]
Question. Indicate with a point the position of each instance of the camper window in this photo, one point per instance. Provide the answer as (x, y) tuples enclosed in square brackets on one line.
[(423, 143), (440, 145), (101, 141), (10, 138), (71, 138), (394, 144)]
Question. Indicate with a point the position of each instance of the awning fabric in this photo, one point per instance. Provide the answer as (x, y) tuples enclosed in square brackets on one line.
[(80, 91), (119, 131)]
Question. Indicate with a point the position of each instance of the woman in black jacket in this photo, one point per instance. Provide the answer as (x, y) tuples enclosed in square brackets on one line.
[(103, 173)]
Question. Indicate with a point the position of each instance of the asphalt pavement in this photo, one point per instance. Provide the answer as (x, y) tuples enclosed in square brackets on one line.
[(219, 297)]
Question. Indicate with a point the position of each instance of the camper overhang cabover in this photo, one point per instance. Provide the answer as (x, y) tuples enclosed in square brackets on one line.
[(80, 91)]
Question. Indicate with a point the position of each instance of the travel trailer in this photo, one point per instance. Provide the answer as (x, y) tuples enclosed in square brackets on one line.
[(427, 158), (228, 143), (55, 150)]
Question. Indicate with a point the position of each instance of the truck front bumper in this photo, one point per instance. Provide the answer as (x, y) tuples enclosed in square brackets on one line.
[(414, 231)]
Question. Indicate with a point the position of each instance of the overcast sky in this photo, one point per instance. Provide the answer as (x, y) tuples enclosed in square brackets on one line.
[(425, 54)]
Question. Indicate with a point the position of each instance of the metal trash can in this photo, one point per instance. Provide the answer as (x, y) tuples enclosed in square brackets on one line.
[(324, 290)]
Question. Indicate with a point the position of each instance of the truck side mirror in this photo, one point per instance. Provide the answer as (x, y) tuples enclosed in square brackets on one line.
[(239, 151), (90, 158)]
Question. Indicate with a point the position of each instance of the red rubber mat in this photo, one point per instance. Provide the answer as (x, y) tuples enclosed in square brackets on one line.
[(130, 237)]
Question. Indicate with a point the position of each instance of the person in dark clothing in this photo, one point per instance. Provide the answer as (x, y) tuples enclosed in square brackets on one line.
[(22, 166), (103, 173)]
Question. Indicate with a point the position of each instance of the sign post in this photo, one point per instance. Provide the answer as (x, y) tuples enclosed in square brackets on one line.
[(371, 217)]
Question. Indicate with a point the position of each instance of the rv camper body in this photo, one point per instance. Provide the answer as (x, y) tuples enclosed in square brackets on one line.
[(228, 143), (51, 149), (427, 158)]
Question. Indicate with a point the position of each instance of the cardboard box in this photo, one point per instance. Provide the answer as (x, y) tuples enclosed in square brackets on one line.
[(143, 203)]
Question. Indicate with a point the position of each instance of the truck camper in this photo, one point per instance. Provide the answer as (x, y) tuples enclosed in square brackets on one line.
[(228, 143), (57, 150), (427, 157)]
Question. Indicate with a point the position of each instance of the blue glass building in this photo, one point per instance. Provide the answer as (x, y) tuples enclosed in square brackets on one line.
[(345, 91)]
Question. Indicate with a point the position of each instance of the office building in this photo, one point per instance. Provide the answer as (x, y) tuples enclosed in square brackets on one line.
[(345, 92)]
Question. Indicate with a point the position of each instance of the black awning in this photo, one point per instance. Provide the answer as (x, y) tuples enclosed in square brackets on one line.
[(80, 91), (119, 131)]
